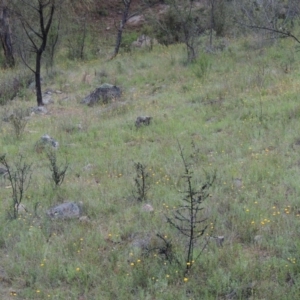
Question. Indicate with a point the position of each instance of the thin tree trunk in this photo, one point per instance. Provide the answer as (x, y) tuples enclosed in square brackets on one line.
[(121, 27), (5, 36), (42, 34), (37, 73), (212, 21)]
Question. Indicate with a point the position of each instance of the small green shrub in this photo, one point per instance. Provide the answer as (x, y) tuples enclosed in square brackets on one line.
[(141, 182), (57, 172), (127, 39), (12, 84), (19, 120), (188, 217), (201, 66)]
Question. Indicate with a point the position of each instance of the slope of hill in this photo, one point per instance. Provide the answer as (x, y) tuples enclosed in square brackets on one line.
[(235, 112)]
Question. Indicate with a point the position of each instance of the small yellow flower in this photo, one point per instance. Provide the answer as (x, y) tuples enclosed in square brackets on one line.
[(132, 264), (41, 265), (77, 269), (185, 279), (38, 291)]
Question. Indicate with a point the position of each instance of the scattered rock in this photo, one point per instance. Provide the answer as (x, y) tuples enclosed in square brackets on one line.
[(148, 208), (103, 94), (237, 182), (84, 220), (137, 20), (45, 141), (48, 140), (68, 210), (21, 208), (219, 240), (143, 120), (258, 239), (39, 110), (47, 98)]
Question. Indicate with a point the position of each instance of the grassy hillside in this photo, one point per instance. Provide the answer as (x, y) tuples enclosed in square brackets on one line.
[(235, 112)]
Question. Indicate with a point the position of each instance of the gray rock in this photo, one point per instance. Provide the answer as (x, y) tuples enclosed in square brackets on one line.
[(238, 183), (219, 240), (103, 94), (47, 98), (258, 239), (21, 208), (84, 220), (143, 120), (137, 20), (48, 140), (45, 142), (147, 207), (39, 110), (68, 210)]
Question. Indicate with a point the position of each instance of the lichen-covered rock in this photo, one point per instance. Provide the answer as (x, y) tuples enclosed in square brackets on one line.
[(103, 94), (68, 210)]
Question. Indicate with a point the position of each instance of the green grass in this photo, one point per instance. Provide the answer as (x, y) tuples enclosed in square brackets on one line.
[(241, 110)]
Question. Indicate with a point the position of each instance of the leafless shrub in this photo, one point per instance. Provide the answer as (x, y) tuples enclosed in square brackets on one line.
[(58, 172), (19, 176)]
